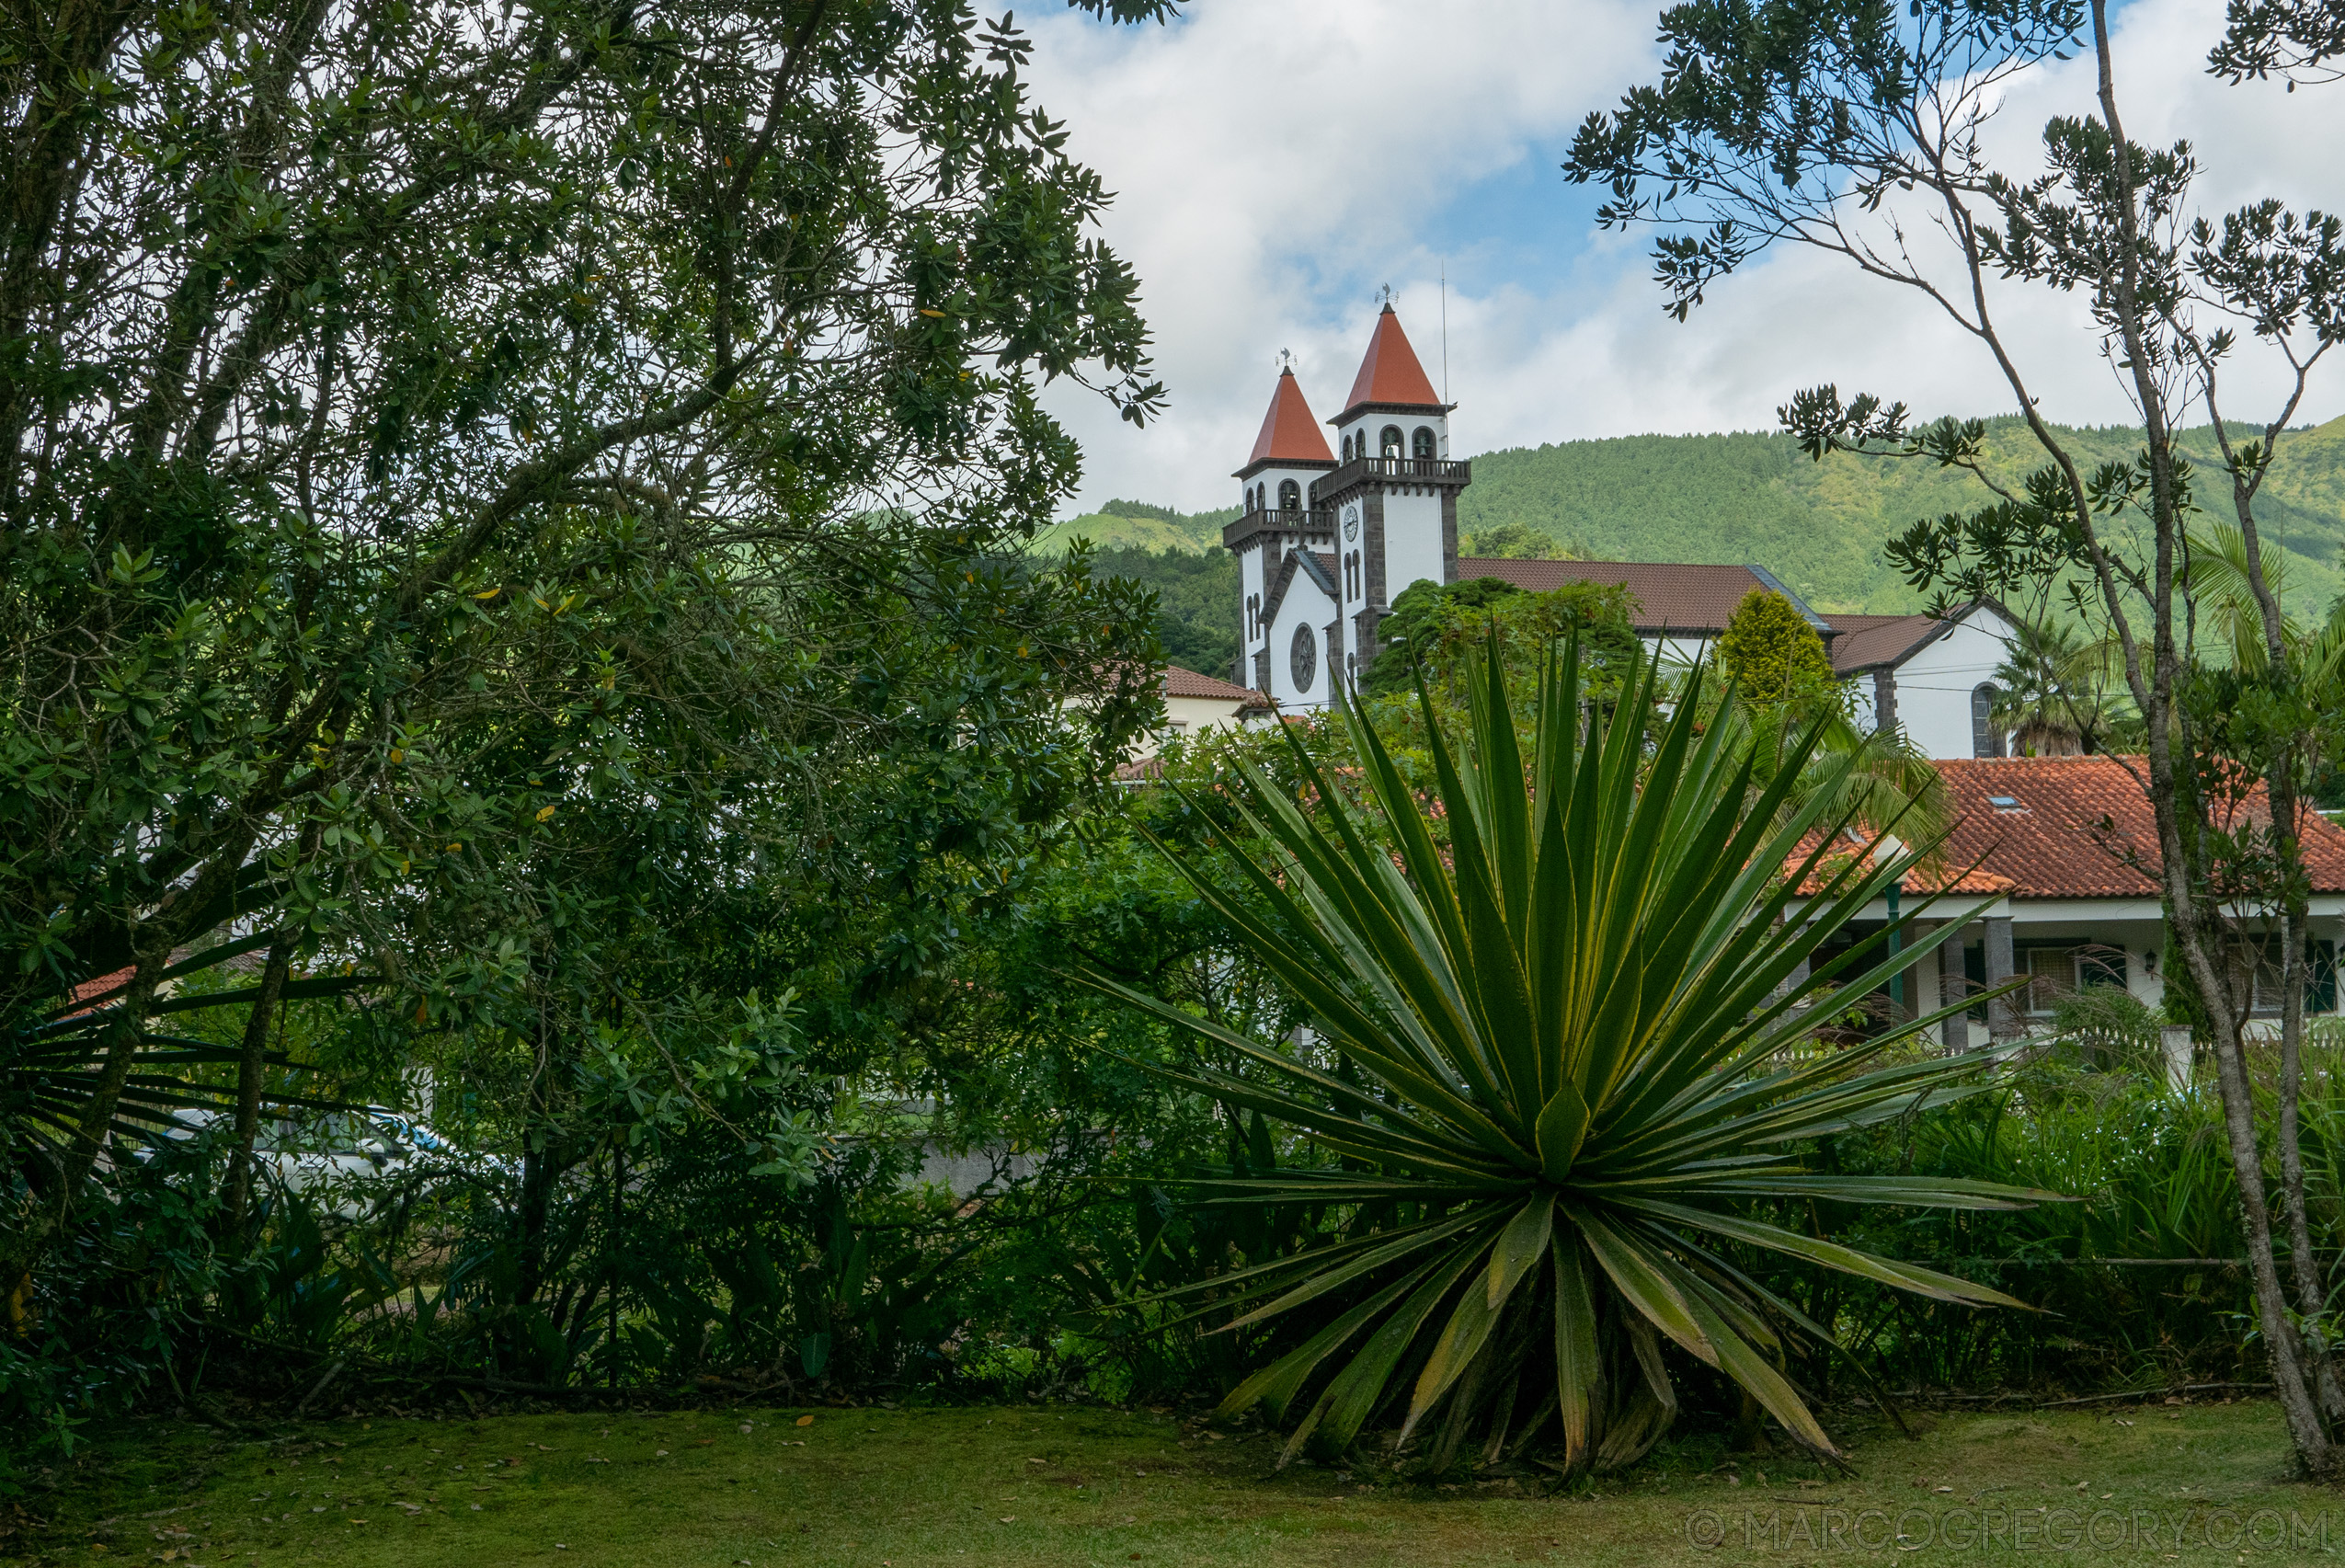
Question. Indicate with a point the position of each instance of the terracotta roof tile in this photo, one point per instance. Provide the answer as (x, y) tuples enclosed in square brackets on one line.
[(1390, 372), (1180, 682), (1673, 598), (2076, 828), (1290, 434)]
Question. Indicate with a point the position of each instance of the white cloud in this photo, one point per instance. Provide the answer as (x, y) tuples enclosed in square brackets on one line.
[(1276, 159)]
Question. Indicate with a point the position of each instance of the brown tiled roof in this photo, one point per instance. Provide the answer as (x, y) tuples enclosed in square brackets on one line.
[(1180, 682), (1866, 641), (1674, 598), (1945, 875), (1290, 434), (2078, 827), (1390, 372)]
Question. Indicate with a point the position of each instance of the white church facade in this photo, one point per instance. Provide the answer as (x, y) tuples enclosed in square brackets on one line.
[(1328, 536)]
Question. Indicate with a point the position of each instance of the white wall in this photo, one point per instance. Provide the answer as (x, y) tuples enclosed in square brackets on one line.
[(1679, 652), (1934, 687), (1411, 539), (1252, 564), (1304, 605)]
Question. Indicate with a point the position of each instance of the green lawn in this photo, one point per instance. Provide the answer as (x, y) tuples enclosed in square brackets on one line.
[(1046, 1486)]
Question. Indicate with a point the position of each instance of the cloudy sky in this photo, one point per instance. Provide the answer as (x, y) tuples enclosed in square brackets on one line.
[(1278, 160)]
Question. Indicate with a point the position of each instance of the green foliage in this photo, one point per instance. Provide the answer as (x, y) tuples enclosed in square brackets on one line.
[(1448, 626), (1552, 1085), (485, 589), (1772, 654), (1196, 600), (2111, 1027), (1515, 541)]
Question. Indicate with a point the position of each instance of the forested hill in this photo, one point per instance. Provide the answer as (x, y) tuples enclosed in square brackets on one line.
[(1820, 526), (1751, 497)]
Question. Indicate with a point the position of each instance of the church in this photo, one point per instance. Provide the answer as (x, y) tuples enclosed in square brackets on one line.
[(1328, 537)]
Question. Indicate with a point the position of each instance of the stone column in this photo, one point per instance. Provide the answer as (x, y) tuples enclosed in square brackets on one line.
[(2003, 1020), (1953, 985)]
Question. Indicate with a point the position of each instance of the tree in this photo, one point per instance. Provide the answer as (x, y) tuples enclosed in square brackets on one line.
[(1791, 718), (1859, 128), (419, 433), (1551, 1075), (1443, 627), (1771, 653), (2295, 38), (2058, 691)]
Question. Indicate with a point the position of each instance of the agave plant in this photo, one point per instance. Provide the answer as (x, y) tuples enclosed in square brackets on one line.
[(1565, 1020)]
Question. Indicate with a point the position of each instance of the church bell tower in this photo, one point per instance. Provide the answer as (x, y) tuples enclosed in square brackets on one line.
[(1327, 539)]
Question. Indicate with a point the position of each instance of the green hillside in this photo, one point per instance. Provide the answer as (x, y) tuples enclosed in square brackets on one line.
[(1820, 526), (1137, 525), (1753, 498)]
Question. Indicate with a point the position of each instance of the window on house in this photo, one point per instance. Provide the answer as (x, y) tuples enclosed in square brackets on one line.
[(1389, 443), (2255, 978), (2056, 972), (1423, 442), (1302, 658), (1986, 739), (1291, 495)]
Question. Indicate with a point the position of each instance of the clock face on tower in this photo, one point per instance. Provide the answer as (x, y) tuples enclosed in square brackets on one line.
[(1352, 520)]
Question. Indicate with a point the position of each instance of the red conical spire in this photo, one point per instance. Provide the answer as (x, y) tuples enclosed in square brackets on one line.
[(1290, 434), (1390, 372)]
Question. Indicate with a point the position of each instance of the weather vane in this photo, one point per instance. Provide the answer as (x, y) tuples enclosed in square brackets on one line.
[(1286, 358), (1384, 295)]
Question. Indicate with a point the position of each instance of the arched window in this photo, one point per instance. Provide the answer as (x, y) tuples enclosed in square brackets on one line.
[(1986, 739), (1389, 443), (1291, 495), (1422, 448), (1302, 658)]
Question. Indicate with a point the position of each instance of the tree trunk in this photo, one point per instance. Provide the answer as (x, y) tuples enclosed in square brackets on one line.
[(2294, 1378), (249, 1072)]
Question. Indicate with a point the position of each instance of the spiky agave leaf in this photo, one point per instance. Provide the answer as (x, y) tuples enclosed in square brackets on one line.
[(1575, 1015)]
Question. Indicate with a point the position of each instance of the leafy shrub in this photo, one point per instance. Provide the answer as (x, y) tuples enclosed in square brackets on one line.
[(2109, 1025), (1771, 653)]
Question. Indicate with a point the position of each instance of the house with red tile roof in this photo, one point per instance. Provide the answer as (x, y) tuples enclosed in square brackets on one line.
[(2052, 867), (1196, 705)]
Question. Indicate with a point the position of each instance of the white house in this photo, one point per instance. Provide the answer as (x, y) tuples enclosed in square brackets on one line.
[(2056, 855), (1934, 679)]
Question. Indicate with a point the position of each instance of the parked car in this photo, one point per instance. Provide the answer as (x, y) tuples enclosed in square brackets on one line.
[(337, 1155)]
